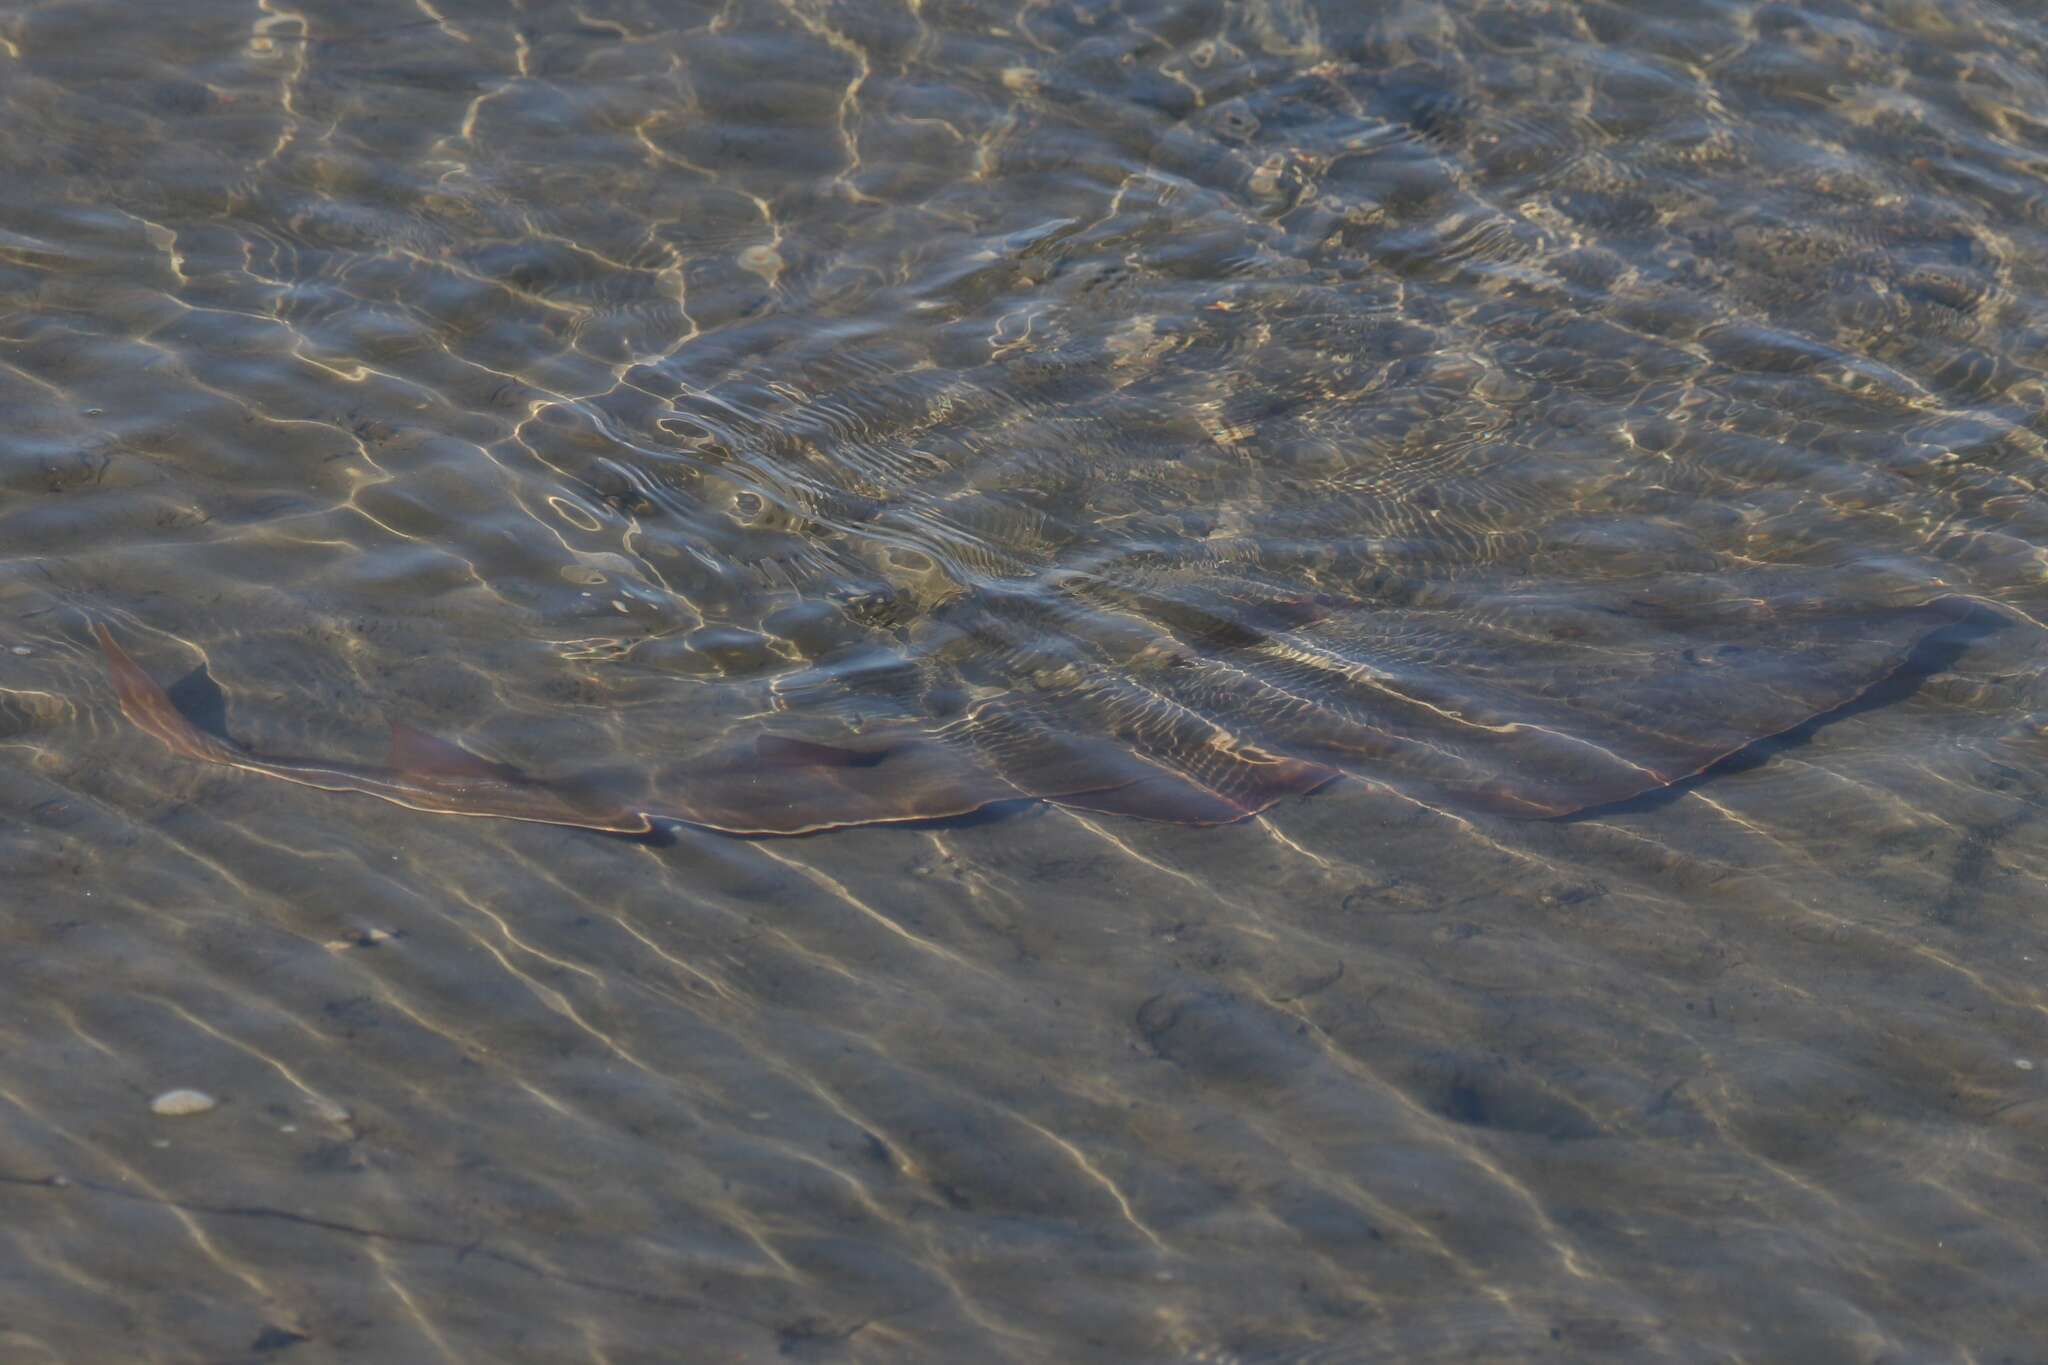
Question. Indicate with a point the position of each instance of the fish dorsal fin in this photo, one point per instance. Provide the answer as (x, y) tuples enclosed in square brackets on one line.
[(419, 754)]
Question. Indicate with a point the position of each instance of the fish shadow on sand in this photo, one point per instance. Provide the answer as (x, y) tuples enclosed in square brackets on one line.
[(1937, 652)]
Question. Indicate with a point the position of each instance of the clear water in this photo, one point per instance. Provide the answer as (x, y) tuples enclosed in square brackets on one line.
[(594, 382)]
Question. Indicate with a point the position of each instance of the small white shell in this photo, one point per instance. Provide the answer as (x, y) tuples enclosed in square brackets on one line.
[(177, 1103)]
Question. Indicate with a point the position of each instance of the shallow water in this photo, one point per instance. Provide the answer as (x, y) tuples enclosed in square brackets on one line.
[(595, 383)]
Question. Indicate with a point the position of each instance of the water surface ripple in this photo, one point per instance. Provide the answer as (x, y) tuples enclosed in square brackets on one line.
[(1481, 397)]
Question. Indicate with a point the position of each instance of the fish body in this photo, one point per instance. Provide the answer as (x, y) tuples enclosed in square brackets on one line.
[(781, 786), (1541, 760)]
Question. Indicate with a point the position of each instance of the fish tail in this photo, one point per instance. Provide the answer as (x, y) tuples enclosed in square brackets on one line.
[(144, 701)]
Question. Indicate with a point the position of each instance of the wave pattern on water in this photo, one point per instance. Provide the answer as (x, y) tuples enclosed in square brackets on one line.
[(1476, 397)]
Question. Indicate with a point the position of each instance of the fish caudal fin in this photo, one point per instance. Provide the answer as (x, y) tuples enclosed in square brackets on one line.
[(144, 701)]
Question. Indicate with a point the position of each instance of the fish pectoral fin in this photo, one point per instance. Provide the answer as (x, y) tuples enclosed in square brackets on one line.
[(419, 754)]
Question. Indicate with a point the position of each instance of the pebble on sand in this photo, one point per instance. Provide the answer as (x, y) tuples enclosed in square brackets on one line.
[(327, 1109), (177, 1103), (764, 261)]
